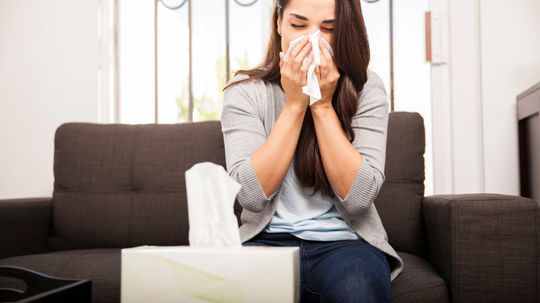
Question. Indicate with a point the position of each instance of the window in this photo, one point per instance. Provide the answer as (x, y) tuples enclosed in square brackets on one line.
[(174, 55)]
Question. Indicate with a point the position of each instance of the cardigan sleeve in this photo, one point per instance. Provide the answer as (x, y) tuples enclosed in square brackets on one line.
[(243, 133), (370, 124)]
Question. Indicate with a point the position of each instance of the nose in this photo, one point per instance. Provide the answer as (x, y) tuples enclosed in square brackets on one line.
[(313, 29)]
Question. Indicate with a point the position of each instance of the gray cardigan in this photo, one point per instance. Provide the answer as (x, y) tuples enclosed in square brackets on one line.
[(249, 112)]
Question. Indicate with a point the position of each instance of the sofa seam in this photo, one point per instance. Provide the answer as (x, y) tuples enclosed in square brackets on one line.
[(132, 192)]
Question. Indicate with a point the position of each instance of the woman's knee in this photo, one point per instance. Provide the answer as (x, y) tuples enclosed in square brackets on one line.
[(358, 285), (360, 275)]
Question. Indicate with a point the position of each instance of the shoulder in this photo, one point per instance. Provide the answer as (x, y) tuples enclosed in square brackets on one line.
[(373, 85), (374, 81), (373, 94), (249, 86), (246, 95)]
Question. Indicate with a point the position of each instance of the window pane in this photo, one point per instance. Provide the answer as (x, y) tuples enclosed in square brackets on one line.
[(378, 27), (208, 58), (173, 63), (136, 61), (253, 22)]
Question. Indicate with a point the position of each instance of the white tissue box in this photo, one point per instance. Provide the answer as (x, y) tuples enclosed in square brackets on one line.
[(210, 274)]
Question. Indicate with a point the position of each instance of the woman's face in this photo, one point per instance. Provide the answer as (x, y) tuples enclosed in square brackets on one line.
[(302, 17)]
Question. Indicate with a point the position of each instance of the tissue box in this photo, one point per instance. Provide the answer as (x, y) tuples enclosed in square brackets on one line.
[(210, 274)]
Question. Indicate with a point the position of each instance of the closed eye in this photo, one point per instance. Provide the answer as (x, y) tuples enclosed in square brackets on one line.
[(301, 26)]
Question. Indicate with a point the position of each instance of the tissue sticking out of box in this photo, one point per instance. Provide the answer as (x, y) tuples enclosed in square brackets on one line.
[(211, 194)]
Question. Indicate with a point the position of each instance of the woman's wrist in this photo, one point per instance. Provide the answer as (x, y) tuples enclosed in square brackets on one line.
[(295, 107), (321, 108)]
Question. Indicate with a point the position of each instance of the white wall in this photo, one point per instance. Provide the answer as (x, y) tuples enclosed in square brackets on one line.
[(465, 92), (48, 76), (510, 39), (493, 54)]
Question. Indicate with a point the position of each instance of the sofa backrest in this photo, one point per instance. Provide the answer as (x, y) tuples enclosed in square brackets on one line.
[(400, 198), (121, 185)]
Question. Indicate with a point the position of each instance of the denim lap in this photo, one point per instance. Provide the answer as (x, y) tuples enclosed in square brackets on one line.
[(347, 271), (336, 271)]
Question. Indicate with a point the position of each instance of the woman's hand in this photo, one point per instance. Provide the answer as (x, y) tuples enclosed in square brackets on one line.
[(294, 73), (328, 76)]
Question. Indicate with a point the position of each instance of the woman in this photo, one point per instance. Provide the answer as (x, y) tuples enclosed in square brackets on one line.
[(310, 173)]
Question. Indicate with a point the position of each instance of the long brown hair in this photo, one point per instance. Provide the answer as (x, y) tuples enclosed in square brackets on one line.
[(351, 56)]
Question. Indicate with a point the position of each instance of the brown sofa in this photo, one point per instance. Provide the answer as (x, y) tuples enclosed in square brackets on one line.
[(123, 185)]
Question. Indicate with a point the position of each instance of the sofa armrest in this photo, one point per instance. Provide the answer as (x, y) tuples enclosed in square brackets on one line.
[(485, 246), (24, 226)]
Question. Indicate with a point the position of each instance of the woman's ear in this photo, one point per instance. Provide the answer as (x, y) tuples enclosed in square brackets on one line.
[(279, 25)]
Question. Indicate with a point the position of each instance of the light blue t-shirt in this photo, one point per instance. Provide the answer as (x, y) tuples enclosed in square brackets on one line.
[(307, 217)]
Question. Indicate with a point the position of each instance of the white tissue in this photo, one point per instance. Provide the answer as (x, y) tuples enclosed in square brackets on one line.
[(211, 194), (312, 88)]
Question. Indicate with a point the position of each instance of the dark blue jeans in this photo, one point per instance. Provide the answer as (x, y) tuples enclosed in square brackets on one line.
[(340, 271)]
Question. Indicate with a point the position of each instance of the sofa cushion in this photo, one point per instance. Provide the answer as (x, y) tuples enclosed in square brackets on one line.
[(400, 199), (418, 282), (101, 266), (119, 185)]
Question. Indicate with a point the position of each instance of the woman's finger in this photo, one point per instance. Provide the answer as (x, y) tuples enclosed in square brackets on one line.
[(324, 66), (307, 63), (298, 47), (299, 59), (325, 53), (295, 51), (318, 73), (331, 66)]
